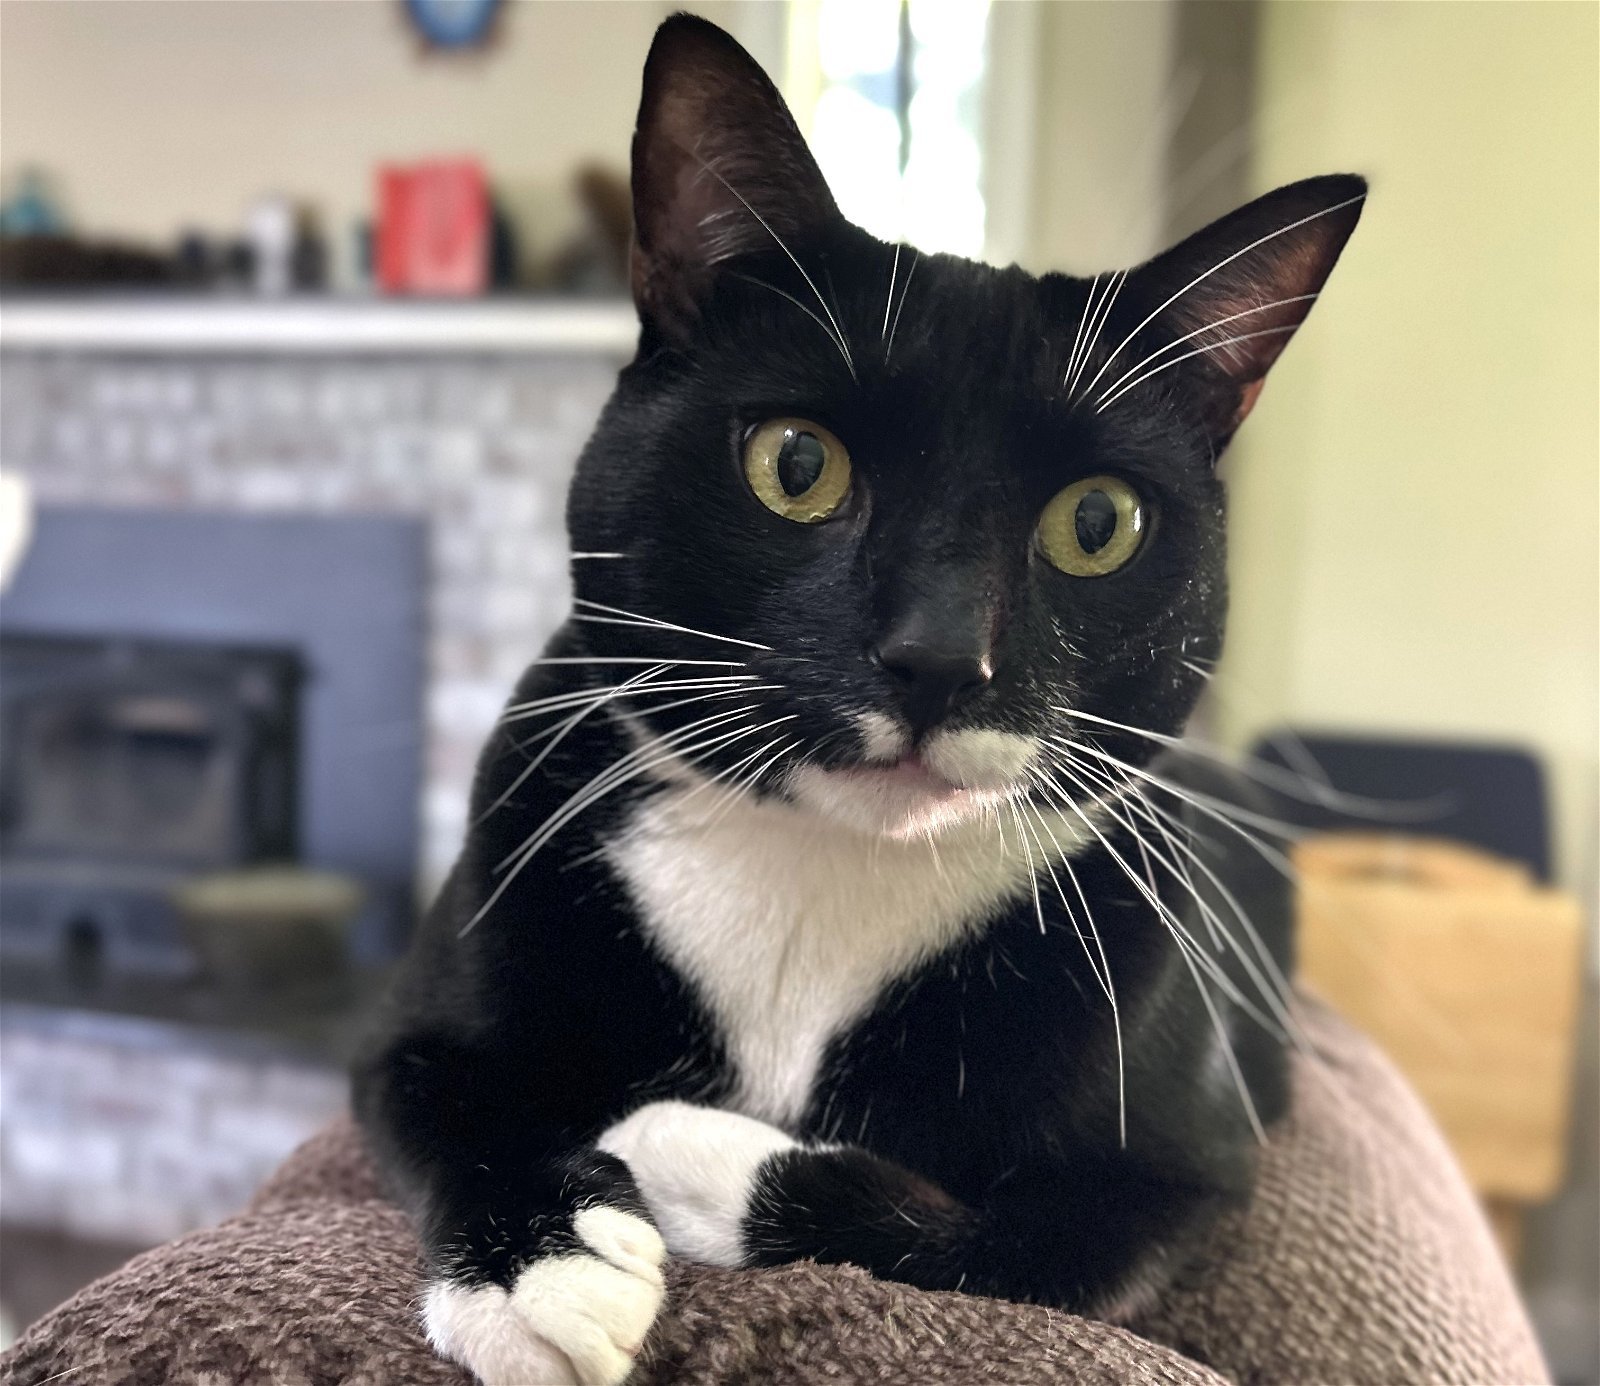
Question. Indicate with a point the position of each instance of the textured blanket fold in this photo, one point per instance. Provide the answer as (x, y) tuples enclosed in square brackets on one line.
[(1363, 1258)]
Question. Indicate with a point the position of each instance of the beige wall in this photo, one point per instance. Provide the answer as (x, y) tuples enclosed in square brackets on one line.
[(165, 113), (1415, 498), (1096, 189)]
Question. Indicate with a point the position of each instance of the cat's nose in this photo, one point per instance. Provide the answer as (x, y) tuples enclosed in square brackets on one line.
[(937, 670)]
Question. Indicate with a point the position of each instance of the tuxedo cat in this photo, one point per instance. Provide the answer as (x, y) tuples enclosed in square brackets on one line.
[(828, 892)]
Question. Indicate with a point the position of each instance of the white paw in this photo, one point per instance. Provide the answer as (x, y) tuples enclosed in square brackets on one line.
[(576, 1319), (695, 1167)]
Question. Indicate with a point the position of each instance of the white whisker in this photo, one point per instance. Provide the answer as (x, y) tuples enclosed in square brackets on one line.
[(888, 302), (1222, 263), (1277, 995), (1201, 331), (1230, 814), (1109, 400), (781, 293), (1102, 974), (628, 759), (1228, 1055), (1174, 925), (561, 734), (1274, 989), (742, 786), (638, 618), (1279, 983), (1033, 872), (1308, 788), (905, 291), (634, 659), (844, 346), (559, 702), (627, 768), (1077, 339), (1194, 959), (1107, 303)]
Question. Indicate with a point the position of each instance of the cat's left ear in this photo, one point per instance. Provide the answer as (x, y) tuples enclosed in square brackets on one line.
[(1237, 291), (719, 169)]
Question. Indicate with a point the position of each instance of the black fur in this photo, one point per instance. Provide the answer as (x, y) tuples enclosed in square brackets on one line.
[(979, 1098)]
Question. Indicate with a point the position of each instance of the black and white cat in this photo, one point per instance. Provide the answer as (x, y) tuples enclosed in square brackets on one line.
[(827, 894)]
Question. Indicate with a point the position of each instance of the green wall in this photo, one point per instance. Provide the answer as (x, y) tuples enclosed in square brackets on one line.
[(1415, 496)]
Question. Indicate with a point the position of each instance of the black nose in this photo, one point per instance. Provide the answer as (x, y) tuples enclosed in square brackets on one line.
[(936, 673)]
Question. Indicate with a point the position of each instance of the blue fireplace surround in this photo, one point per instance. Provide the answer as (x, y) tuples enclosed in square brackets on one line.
[(346, 593)]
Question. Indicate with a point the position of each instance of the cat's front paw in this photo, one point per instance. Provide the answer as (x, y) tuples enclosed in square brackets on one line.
[(574, 1319), (696, 1168)]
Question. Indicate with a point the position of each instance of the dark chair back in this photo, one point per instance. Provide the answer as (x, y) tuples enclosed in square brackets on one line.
[(1488, 796)]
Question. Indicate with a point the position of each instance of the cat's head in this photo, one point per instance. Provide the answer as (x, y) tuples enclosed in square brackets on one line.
[(941, 518)]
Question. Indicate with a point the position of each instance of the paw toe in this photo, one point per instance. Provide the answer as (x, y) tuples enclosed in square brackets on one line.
[(572, 1320), (594, 1312), (628, 1242), (477, 1327)]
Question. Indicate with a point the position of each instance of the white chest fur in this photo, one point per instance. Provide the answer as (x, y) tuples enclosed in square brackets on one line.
[(790, 926)]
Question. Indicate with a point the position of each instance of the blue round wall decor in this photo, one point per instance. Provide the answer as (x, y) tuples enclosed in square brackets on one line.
[(453, 23)]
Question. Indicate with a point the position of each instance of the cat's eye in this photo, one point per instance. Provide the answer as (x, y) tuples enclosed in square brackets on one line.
[(1093, 527), (797, 469)]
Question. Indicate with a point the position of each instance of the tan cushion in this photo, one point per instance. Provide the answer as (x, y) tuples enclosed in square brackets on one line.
[(1364, 1258)]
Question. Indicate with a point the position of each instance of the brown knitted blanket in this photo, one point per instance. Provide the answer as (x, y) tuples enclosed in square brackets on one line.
[(1363, 1259)]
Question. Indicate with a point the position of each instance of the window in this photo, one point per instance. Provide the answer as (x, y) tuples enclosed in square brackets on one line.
[(890, 94)]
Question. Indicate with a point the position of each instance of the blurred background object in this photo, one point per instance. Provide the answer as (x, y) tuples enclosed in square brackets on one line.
[(1467, 972), (433, 229), (454, 25), (16, 523), (295, 517), (29, 207)]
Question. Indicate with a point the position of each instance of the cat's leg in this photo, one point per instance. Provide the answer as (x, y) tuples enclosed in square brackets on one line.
[(542, 1262), (697, 1168), (1099, 1234), (556, 1283)]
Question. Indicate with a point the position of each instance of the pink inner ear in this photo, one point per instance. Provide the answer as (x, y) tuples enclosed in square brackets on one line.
[(1247, 323), (1237, 290), (1247, 400)]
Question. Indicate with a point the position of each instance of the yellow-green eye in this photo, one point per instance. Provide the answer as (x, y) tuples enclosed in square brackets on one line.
[(797, 469), (1093, 527)]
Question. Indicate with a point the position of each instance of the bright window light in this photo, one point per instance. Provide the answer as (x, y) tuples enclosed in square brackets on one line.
[(890, 94)]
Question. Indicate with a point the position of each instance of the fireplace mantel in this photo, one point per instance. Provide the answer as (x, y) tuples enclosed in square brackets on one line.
[(318, 326)]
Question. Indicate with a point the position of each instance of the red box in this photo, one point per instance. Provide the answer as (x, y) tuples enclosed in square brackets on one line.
[(433, 229)]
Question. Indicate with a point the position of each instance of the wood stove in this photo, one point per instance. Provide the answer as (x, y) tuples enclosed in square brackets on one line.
[(210, 755), (126, 768)]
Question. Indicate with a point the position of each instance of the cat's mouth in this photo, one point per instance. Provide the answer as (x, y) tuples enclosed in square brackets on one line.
[(910, 773), (897, 790)]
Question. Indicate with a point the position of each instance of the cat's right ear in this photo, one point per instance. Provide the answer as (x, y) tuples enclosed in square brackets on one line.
[(719, 169), (1239, 289)]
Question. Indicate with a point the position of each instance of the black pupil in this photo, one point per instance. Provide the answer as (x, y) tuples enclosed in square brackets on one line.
[(1096, 521), (800, 462)]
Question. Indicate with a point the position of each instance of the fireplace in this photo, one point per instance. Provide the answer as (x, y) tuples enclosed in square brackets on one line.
[(126, 767), (209, 708), (386, 509)]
